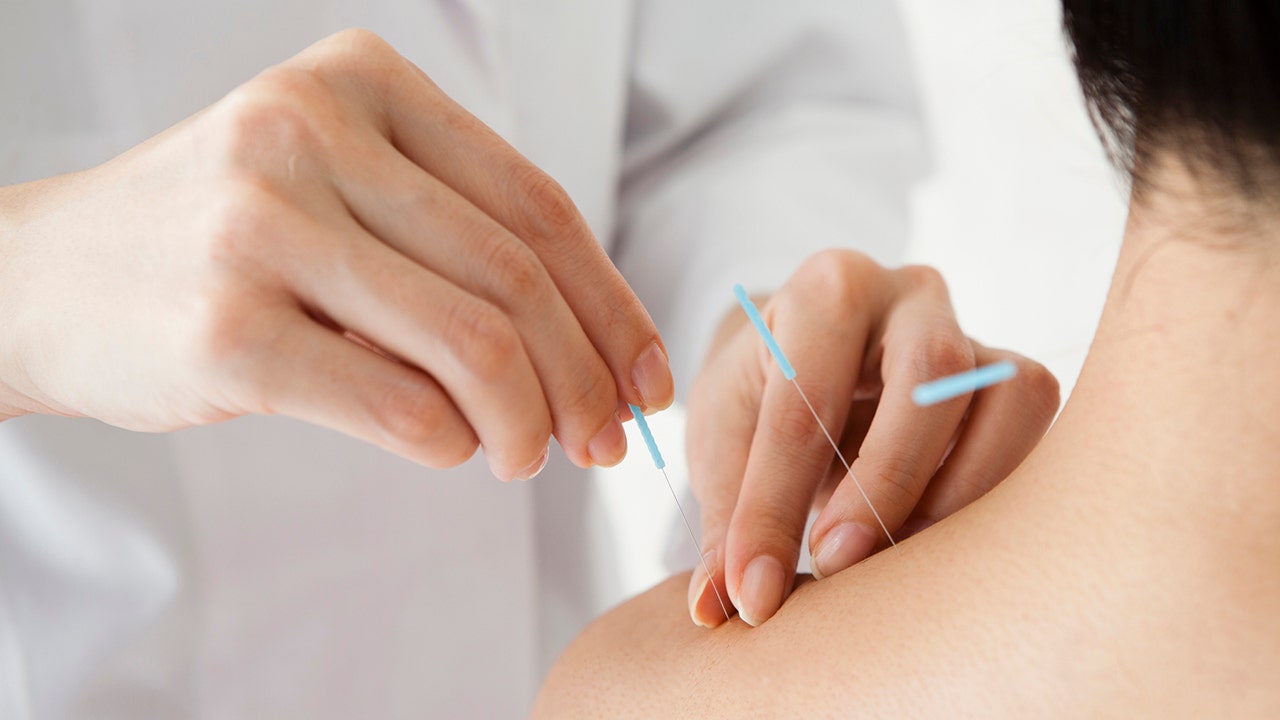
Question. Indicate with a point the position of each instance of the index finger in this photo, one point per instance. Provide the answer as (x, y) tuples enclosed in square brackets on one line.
[(823, 317)]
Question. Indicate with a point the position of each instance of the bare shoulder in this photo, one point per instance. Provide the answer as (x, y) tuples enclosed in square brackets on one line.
[(885, 637), (646, 658), (620, 666), (1011, 608)]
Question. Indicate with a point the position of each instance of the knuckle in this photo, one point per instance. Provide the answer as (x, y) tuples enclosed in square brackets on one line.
[(940, 354), (273, 114), (895, 485), (357, 43), (222, 335), (292, 86), (547, 212), (593, 393), (516, 272), (239, 225), (233, 336), (350, 46), (925, 280), (232, 318), (774, 530), (620, 308), (355, 60), (410, 414), (1039, 387), (922, 276), (839, 274), (795, 426), (481, 338)]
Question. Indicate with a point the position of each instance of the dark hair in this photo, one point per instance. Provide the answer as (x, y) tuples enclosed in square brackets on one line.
[(1197, 78)]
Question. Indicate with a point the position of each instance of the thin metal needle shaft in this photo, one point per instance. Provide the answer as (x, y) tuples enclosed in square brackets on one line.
[(844, 462), (710, 578), (661, 464)]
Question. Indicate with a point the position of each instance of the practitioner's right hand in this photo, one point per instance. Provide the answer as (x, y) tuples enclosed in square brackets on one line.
[(338, 241)]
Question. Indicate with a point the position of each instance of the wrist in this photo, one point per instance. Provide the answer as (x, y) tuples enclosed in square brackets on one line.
[(13, 200)]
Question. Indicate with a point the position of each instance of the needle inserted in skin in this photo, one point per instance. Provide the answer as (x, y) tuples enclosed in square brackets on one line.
[(789, 373), (662, 466)]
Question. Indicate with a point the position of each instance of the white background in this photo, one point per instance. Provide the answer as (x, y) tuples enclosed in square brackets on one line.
[(1022, 215)]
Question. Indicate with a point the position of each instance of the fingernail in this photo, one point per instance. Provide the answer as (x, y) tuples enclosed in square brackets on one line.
[(761, 593), (651, 376), (532, 471), (704, 604), (494, 468), (609, 445), (842, 546)]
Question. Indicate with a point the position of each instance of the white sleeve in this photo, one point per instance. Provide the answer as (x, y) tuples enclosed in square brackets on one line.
[(759, 132)]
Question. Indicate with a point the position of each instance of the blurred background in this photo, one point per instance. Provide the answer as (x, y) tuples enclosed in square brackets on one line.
[(1021, 213)]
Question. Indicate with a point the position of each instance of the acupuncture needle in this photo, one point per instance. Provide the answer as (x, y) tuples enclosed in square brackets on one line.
[(952, 386), (923, 395), (662, 466), (790, 374)]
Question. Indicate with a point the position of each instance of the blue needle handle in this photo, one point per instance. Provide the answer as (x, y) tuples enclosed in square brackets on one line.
[(932, 393), (648, 436), (787, 371)]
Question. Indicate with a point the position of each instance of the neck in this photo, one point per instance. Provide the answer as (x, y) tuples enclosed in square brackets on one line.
[(1178, 407)]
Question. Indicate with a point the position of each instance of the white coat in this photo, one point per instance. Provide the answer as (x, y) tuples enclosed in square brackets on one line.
[(266, 568)]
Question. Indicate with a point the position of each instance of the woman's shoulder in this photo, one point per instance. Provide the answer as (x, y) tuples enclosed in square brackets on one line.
[(1032, 602), (904, 633)]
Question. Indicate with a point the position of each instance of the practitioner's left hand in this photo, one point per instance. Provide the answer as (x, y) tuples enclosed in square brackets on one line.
[(860, 337)]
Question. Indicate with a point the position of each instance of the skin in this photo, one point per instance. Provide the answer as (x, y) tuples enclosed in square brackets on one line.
[(338, 241), (1126, 569), (860, 336)]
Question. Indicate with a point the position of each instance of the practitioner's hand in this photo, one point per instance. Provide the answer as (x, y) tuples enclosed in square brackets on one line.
[(338, 241), (860, 338)]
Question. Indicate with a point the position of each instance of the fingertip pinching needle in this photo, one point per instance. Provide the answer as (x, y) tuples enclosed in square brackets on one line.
[(662, 467), (924, 395)]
